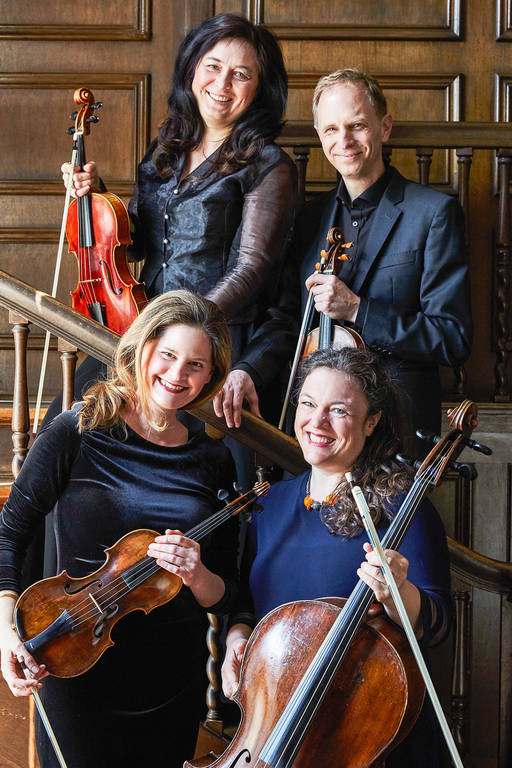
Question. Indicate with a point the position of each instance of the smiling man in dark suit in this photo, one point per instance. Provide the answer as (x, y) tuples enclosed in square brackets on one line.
[(406, 287)]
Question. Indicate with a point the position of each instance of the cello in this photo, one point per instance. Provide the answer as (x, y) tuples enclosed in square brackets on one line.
[(98, 233), (320, 684)]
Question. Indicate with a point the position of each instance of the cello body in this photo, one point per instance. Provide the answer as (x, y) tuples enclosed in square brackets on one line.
[(371, 705)]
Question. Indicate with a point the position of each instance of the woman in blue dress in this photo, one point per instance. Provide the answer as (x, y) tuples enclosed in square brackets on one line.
[(118, 461), (309, 541)]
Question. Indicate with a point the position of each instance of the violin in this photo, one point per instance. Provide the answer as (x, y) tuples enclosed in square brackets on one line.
[(98, 233), (66, 622), (328, 334), (322, 685)]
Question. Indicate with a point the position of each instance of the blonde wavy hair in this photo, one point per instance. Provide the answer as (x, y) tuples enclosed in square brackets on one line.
[(103, 402)]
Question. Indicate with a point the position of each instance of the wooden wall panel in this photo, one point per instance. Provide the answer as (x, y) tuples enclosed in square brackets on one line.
[(330, 19), (94, 20)]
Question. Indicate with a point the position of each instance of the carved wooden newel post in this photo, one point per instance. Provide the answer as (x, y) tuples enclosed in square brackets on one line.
[(502, 272)]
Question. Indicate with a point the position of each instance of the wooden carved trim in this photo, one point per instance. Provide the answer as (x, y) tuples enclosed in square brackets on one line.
[(435, 134), (503, 21), (140, 30), (459, 692), (453, 85), (48, 187), (452, 32), (18, 235), (138, 83), (213, 716), (35, 342), (503, 266), (68, 357)]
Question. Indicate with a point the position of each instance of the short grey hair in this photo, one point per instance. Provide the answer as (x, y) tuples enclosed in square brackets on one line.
[(351, 76)]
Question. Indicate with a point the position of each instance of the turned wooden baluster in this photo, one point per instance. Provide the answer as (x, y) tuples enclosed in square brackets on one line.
[(464, 159), (503, 264), (424, 160), (301, 161), (20, 409), (213, 716), (459, 696), (68, 357)]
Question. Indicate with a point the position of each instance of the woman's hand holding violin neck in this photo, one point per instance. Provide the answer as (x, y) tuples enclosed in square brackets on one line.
[(236, 642), (182, 556), (84, 181), (12, 649), (370, 572)]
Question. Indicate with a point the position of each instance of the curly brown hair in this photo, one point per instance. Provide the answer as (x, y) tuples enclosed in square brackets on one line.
[(376, 470)]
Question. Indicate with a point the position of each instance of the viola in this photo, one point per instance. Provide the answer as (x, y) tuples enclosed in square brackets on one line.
[(331, 334), (98, 233), (66, 622), (320, 684), (328, 334)]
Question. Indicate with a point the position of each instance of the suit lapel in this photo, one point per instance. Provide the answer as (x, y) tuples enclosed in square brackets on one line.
[(383, 222)]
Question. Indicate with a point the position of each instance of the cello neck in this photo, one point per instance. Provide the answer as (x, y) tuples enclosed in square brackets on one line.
[(290, 730)]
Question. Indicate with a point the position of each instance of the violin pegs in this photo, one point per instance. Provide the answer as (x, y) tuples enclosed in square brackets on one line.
[(428, 436), (73, 115), (98, 105), (466, 470), (478, 447), (345, 257), (222, 494), (237, 487), (71, 130), (93, 119)]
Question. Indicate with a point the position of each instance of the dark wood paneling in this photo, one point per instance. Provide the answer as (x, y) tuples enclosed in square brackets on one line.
[(94, 20), (37, 107), (353, 20)]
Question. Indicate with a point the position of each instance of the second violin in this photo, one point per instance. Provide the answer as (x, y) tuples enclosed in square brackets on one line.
[(98, 232)]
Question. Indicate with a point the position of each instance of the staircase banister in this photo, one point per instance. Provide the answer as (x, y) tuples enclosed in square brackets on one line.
[(278, 448), (480, 571), (445, 135), (98, 341)]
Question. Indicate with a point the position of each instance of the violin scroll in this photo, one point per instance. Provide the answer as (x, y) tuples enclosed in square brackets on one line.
[(83, 117)]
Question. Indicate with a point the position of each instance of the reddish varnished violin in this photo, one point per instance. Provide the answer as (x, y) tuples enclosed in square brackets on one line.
[(98, 232), (320, 684), (65, 622)]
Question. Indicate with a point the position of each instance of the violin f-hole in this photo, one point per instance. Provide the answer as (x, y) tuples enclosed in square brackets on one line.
[(68, 589)]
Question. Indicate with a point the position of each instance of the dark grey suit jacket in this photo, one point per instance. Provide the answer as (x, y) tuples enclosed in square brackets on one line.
[(414, 288)]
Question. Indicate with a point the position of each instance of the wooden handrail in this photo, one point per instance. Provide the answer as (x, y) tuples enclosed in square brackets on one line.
[(98, 341), (64, 322), (441, 135)]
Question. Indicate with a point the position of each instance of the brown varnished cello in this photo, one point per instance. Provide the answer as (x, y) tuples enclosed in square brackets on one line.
[(98, 232), (320, 683)]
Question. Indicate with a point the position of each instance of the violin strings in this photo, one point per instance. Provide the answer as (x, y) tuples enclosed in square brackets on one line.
[(333, 643), (147, 567)]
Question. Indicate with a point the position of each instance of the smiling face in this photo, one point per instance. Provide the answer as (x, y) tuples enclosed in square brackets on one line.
[(176, 366), (225, 82), (332, 420), (352, 135)]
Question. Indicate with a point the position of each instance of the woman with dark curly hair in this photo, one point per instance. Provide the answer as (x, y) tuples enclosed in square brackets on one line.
[(309, 540), (214, 198)]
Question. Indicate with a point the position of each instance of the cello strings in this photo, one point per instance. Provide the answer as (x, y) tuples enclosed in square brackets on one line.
[(332, 643)]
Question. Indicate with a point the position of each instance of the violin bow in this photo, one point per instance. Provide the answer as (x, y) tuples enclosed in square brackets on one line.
[(44, 717), (56, 275)]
